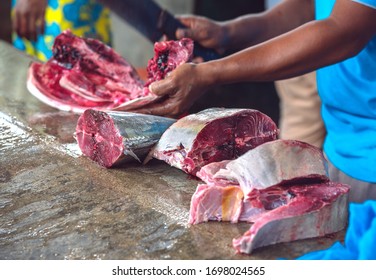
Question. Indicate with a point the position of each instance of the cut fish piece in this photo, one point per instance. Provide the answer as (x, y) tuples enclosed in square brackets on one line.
[(216, 203), (167, 56), (110, 138), (85, 73), (275, 163), (213, 135), (314, 210), (281, 186)]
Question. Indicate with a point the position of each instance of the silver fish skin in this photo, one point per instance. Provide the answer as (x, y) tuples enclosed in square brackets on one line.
[(213, 135), (111, 138), (275, 163), (322, 210)]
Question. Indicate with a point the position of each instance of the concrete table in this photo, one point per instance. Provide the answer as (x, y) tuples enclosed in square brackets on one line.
[(57, 204)]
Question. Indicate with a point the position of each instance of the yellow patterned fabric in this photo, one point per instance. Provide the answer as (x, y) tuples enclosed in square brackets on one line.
[(86, 18)]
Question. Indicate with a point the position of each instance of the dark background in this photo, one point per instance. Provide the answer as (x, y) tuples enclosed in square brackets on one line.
[(5, 25)]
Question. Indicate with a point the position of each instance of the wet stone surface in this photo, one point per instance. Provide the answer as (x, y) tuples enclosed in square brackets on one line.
[(56, 204)]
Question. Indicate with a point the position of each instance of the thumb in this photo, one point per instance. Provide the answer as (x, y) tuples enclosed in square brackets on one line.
[(159, 88), (185, 33)]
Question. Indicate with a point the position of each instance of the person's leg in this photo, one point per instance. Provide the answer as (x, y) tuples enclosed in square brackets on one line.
[(300, 110)]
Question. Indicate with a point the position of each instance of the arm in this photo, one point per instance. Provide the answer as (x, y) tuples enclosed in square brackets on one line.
[(247, 30), (28, 20), (311, 46), (306, 48)]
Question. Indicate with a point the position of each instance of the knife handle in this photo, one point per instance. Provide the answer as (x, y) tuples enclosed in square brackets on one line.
[(205, 53), (168, 25)]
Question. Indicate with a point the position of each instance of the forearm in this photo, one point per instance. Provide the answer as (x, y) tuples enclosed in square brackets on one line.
[(312, 46), (252, 29)]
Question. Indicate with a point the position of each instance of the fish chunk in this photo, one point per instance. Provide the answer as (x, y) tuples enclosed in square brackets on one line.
[(213, 135), (110, 138)]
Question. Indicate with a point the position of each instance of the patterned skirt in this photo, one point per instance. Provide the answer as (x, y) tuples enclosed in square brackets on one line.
[(86, 18)]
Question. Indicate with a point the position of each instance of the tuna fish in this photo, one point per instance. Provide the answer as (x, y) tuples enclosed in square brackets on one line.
[(275, 163), (281, 186), (213, 135), (110, 138), (312, 211), (85, 73)]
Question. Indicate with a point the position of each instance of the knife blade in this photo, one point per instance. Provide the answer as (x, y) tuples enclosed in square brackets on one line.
[(153, 22)]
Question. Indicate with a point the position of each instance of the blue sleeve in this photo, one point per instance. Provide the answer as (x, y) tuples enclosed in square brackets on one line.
[(369, 3)]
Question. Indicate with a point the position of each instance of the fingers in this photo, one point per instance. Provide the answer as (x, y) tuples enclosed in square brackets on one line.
[(32, 29), (40, 25), (189, 22), (162, 88), (28, 20), (136, 106), (198, 59), (43, 27), (22, 26), (185, 33), (186, 20), (165, 108), (28, 26), (35, 27)]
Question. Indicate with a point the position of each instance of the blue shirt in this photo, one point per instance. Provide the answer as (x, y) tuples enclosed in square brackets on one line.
[(348, 93)]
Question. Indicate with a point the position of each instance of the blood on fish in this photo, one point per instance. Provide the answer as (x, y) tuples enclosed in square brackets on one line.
[(84, 73), (211, 136)]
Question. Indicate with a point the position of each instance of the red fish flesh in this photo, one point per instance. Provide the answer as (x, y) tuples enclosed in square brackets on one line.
[(312, 211), (276, 178), (213, 135), (274, 163), (110, 138), (167, 56), (85, 73)]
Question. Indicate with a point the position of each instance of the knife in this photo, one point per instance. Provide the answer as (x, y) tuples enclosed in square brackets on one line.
[(153, 22)]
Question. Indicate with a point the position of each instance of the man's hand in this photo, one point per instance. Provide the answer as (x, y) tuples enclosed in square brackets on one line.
[(28, 20), (177, 92), (208, 33)]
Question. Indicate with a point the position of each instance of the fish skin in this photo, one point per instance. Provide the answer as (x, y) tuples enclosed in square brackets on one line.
[(266, 165), (218, 129), (298, 220), (287, 195), (111, 138)]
